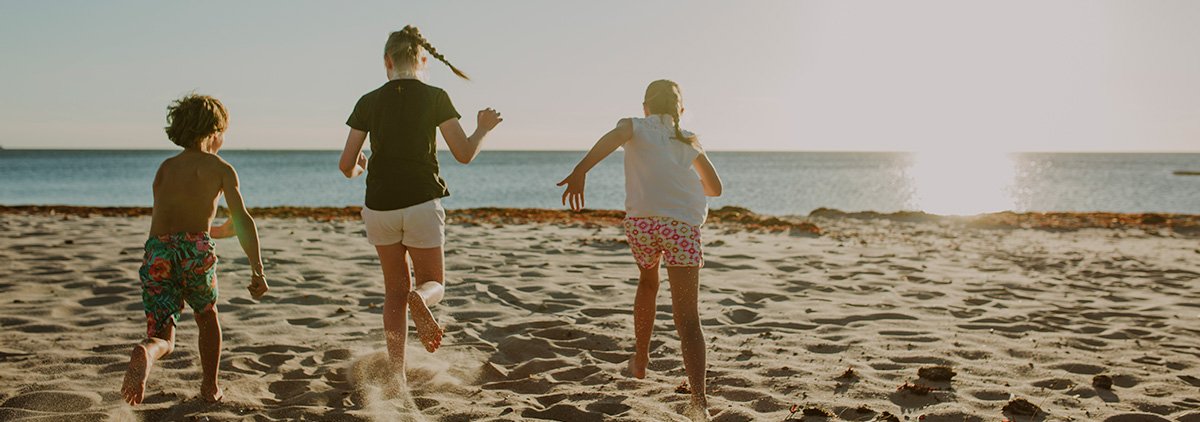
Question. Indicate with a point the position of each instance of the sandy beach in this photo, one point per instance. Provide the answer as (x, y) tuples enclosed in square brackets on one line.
[(833, 315)]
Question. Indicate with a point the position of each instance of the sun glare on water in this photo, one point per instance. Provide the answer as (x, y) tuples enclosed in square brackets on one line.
[(962, 182)]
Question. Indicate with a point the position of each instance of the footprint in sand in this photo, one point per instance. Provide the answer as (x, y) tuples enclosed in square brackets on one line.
[(575, 374), (826, 348), (275, 360), (517, 350), (973, 354), (244, 365), (44, 328), (114, 289), (608, 408), (536, 367), (755, 297), (1054, 384), (789, 268), (603, 312), (885, 366), (53, 401), (522, 386), (990, 395), (1080, 368), (883, 316), (740, 315), (564, 412), (310, 322), (912, 336), (287, 390), (334, 355)]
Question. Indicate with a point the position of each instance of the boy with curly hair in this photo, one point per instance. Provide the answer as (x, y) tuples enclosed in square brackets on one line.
[(180, 261)]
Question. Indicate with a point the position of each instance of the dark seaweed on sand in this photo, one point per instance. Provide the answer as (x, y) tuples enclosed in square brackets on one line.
[(1022, 407), (936, 373), (917, 389)]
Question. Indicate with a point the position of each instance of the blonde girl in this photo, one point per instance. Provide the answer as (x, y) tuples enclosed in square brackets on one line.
[(403, 212), (667, 178)]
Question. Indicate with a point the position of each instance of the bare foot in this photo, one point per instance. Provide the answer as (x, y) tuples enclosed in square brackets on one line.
[(134, 387), (427, 328), (697, 410), (637, 366), (395, 385), (211, 394)]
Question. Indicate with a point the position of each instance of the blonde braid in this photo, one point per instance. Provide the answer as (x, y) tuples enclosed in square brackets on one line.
[(678, 131), (415, 34), (662, 97)]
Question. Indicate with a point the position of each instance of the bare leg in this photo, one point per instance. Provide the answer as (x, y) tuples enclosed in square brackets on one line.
[(428, 266), (210, 354), (643, 319), (685, 286), (396, 286), (144, 354), (430, 292)]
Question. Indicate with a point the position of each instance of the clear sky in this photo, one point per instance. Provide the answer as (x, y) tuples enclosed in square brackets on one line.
[(757, 75)]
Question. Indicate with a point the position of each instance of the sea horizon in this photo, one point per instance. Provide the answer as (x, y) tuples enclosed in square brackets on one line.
[(785, 183)]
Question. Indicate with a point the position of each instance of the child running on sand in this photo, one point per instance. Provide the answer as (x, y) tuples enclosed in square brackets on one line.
[(180, 261), (667, 176), (403, 211)]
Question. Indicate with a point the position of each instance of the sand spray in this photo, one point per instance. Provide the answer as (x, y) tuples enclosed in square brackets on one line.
[(387, 395)]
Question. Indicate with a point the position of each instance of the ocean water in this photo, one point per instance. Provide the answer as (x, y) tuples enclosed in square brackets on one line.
[(778, 183)]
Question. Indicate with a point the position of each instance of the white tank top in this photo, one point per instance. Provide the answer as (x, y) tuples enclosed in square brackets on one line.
[(659, 178)]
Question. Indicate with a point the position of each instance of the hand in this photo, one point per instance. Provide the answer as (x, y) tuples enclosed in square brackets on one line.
[(362, 160), (487, 119), (222, 231), (258, 286), (574, 193)]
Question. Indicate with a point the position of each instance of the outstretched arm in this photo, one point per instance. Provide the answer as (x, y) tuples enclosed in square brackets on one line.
[(606, 145), (247, 233), (708, 175), (463, 147), (353, 162)]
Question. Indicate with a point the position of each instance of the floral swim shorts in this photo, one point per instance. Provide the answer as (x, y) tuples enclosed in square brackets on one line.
[(177, 268), (677, 242)]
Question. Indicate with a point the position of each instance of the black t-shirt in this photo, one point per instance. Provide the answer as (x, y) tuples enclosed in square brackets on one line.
[(402, 117)]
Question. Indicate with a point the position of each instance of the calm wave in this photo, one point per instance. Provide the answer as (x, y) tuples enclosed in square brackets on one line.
[(767, 182)]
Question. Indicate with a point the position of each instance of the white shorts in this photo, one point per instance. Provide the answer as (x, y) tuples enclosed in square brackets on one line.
[(419, 226)]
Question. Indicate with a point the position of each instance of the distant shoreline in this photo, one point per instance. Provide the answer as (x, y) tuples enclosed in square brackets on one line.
[(728, 217)]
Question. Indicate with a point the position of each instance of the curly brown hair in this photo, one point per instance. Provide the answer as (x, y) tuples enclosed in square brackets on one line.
[(194, 117)]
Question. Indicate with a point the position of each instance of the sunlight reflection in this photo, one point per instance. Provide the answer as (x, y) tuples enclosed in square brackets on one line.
[(962, 182)]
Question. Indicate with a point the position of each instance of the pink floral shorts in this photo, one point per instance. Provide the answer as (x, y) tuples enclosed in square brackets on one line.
[(676, 241)]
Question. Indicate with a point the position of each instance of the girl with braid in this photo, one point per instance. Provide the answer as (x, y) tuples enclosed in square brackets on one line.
[(667, 178), (403, 213)]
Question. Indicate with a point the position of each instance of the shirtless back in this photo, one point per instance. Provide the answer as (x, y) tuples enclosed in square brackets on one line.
[(186, 189)]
